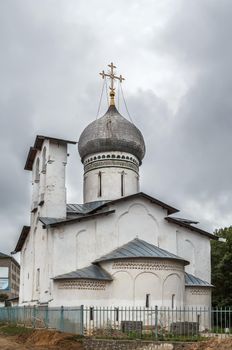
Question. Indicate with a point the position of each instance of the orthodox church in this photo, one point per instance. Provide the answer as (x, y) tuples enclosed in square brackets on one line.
[(120, 247)]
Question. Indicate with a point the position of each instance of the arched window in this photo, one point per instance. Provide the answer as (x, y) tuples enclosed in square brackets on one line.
[(37, 170), (44, 164), (99, 184)]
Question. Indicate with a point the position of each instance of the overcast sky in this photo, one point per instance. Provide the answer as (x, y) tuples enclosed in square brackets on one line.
[(176, 57)]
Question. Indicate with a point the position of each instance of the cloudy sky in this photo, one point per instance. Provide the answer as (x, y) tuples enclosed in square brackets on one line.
[(176, 56)]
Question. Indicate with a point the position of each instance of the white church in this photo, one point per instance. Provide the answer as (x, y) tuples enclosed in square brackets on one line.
[(120, 247)]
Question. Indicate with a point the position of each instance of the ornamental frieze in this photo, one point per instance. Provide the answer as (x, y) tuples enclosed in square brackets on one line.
[(111, 163), (84, 284), (130, 265)]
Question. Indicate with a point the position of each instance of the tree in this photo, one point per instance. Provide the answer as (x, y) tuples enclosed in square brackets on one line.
[(221, 259)]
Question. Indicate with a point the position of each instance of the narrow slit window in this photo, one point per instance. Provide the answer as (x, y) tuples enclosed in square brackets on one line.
[(147, 300), (99, 184), (173, 301), (37, 171), (37, 279), (122, 183)]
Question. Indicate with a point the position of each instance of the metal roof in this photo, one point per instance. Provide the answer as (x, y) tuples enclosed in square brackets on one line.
[(91, 206), (192, 281), (84, 208), (190, 227), (24, 233), (46, 221), (111, 132), (92, 272), (187, 221), (3, 256), (37, 147), (138, 248)]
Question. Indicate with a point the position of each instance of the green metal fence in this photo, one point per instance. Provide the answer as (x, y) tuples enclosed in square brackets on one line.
[(125, 322), (65, 319)]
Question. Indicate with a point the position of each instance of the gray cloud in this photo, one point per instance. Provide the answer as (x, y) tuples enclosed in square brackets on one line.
[(177, 61)]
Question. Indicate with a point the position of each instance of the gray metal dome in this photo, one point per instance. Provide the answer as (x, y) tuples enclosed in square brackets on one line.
[(111, 132)]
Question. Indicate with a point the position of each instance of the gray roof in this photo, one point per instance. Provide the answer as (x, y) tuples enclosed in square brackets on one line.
[(2, 255), (84, 208), (140, 249), (112, 132), (92, 272), (187, 224), (47, 221), (193, 281)]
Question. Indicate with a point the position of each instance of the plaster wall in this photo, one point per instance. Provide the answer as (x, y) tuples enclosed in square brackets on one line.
[(114, 176), (48, 179), (132, 281), (72, 246), (196, 249)]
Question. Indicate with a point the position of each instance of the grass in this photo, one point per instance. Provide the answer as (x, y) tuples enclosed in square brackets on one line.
[(13, 329)]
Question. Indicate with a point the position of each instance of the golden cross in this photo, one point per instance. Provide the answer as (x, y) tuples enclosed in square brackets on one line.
[(112, 77)]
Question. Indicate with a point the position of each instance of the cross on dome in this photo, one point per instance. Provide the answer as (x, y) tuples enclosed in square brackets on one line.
[(111, 74)]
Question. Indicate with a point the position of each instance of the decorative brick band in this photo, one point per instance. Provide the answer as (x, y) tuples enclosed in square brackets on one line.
[(200, 291), (111, 163), (82, 284), (146, 265)]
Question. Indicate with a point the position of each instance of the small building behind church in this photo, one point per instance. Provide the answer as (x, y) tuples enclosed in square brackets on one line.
[(9, 277), (120, 246)]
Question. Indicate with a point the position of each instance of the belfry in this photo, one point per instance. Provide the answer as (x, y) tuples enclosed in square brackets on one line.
[(121, 246)]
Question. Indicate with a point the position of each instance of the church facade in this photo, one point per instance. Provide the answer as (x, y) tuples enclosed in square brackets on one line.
[(120, 247)]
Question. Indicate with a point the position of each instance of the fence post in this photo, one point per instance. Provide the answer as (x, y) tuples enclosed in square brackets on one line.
[(156, 321), (34, 315), (46, 317), (81, 319), (62, 318)]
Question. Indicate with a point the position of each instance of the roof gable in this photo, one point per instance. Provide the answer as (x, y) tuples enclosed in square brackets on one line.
[(138, 248), (93, 206)]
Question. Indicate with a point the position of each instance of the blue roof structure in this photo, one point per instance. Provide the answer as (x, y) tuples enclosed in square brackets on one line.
[(193, 281), (138, 248), (92, 272)]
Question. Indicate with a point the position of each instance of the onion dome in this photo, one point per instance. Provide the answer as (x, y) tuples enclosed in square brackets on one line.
[(111, 132)]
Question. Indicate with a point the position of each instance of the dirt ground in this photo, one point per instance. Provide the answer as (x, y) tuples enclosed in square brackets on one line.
[(40, 340), (44, 339)]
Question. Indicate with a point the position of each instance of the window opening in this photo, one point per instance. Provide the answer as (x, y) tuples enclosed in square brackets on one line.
[(173, 301), (44, 160), (37, 279), (147, 300), (37, 170), (99, 184), (122, 184)]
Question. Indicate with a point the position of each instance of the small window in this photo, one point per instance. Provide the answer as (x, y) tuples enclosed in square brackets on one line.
[(122, 183), (99, 184), (44, 164), (173, 301), (37, 170), (37, 279), (91, 310), (147, 300)]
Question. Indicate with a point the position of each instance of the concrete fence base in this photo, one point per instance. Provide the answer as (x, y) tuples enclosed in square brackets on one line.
[(97, 344)]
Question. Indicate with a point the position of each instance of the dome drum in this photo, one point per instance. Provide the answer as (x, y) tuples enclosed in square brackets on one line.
[(111, 159)]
